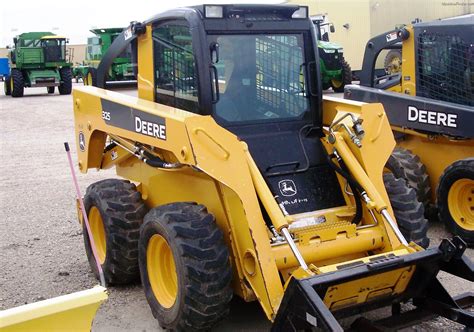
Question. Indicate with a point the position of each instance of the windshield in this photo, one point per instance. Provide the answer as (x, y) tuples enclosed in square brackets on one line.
[(260, 77), (54, 49)]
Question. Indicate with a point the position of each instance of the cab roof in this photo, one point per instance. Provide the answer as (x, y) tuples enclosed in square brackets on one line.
[(34, 35), (101, 31)]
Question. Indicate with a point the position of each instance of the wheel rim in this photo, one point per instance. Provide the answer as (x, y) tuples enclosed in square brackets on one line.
[(161, 271), (336, 83), (98, 233), (394, 65), (11, 84), (461, 203)]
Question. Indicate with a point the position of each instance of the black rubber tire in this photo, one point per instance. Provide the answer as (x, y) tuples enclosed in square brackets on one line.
[(50, 89), (391, 55), (93, 73), (406, 165), (461, 169), (347, 72), (409, 212), (122, 210), (346, 76), (65, 87), (202, 264), (18, 83), (6, 86)]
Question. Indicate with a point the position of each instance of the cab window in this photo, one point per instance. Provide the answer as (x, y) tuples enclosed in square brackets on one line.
[(174, 66)]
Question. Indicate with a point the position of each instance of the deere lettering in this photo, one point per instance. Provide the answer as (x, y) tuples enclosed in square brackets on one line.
[(150, 128), (432, 117)]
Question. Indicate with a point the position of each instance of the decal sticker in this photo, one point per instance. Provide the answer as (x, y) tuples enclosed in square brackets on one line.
[(106, 115), (82, 141), (432, 117), (150, 128), (391, 36), (287, 187), (131, 119), (311, 319), (128, 33)]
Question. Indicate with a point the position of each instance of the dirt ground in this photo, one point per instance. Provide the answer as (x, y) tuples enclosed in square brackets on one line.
[(41, 246)]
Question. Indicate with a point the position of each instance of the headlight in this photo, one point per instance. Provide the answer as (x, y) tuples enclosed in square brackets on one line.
[(302, 12), (214, 11)]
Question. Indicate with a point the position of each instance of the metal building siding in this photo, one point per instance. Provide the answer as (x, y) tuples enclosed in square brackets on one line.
[(367, 18), (355, 13), (386, 14)]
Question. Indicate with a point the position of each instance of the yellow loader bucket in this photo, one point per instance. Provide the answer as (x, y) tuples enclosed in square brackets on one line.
[(74, 311)]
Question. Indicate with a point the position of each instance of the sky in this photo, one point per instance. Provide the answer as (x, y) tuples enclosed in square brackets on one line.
[(74, 19)]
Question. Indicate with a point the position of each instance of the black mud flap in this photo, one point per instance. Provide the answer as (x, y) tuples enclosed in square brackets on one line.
[(302, 307)]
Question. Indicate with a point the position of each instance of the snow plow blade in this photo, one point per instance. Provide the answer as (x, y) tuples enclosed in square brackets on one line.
[(305, 303), (73, 311)]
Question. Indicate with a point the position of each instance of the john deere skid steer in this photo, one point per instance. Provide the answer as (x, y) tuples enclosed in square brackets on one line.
[(240, 180), (432, 114)]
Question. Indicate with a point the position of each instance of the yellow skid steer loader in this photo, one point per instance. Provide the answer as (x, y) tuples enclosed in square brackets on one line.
[(430, 106), (239, 179)]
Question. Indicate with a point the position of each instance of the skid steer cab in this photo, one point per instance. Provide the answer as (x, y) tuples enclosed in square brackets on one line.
[(239, 180)]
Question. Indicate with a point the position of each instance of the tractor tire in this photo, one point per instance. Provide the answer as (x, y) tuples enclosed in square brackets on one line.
[(406, 165), (7, 87), (409, 212), (184, 267), (65, 87), (90, 77), (17, 83), (115, 210), (50, 89), (393, 62), (455, 198), (346, 77)]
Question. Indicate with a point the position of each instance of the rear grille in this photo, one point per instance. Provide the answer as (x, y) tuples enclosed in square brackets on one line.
[(332, 61), (445, 68)]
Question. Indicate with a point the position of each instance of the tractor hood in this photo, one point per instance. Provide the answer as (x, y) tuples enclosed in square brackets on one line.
[(329, 46)]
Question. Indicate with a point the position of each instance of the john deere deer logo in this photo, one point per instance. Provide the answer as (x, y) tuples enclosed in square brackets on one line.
[(287, 187)]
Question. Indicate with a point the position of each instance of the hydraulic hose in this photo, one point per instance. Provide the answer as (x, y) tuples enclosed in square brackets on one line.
[(155, 161), (356, 187)]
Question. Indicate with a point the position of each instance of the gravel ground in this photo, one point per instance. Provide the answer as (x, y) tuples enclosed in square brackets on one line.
[(41, 248)]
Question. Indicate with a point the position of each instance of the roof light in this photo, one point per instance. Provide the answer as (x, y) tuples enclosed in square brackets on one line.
[(213, 11), (302, 12)]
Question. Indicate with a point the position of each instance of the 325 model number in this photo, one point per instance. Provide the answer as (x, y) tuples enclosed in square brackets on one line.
[(106, 115)]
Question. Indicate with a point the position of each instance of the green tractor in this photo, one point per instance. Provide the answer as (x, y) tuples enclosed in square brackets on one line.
[(97, 46), (335, 70), (38, 59)]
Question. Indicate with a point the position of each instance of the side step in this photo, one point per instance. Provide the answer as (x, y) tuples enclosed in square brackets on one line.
[(302, 306)]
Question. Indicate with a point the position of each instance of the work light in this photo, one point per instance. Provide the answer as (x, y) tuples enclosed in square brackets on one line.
[(302, 12), (214, 11)]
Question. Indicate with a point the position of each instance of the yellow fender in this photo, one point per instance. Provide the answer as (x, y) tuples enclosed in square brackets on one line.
[(74, 311)]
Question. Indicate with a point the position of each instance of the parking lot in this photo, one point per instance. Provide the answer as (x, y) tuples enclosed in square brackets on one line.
[(41, 245)]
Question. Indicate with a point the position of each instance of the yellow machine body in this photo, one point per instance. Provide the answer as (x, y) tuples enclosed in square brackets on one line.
[(175, 156), (220, 173), (73, 311), (428, 147)]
